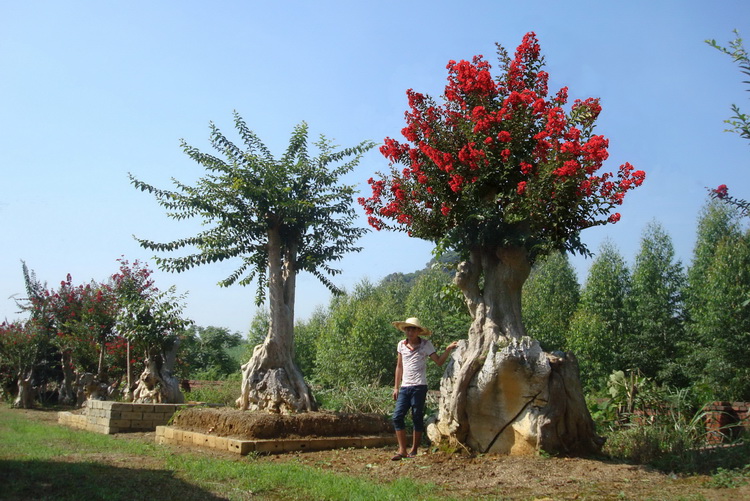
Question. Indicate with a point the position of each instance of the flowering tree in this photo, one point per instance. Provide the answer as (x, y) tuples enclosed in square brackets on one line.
[(20, 345), (77, 322), (152, 322), (501, 173)]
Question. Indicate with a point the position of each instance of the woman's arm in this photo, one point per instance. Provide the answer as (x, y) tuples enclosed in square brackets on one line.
[(399, 373), (442, 358)]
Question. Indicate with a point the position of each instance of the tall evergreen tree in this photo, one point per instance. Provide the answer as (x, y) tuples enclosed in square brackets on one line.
[(602, 320), (550, 298), (657, 309), (716, 300)]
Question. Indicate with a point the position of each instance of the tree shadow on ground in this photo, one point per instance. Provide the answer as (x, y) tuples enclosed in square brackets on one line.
[(50, 480)]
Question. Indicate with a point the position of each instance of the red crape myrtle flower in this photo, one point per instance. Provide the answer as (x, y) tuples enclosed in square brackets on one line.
[(499, 160)]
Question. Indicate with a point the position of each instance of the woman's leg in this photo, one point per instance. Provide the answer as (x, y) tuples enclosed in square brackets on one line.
[(418, 398), (403, 402)]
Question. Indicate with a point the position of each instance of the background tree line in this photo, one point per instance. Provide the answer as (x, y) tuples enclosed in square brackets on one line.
[(685, 327)]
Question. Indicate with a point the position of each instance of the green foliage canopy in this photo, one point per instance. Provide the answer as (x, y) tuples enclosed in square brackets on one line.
[(250, 192), (656, 307), (602, 320)]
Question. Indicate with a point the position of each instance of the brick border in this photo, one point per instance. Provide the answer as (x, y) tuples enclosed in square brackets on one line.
[(176, 436), (106, 416), (726, 420)]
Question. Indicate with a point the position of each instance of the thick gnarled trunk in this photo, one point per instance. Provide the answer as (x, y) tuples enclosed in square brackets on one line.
[(271, 380), (67, 394), (157, 383), (25, 397), (501, 393)]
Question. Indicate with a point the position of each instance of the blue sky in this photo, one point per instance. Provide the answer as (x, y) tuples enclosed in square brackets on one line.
[(92, 90)]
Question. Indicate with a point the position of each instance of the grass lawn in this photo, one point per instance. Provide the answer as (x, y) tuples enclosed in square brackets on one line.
[(41, 460)]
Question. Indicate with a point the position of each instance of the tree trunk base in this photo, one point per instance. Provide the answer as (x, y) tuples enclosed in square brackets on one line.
[(273, 385), (157, 386), (25, 397), (520, 401)]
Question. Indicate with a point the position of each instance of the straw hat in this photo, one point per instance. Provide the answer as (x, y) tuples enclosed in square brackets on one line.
[(412, 322)]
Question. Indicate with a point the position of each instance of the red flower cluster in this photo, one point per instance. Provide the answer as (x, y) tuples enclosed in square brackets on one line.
[(469, 78), (497, 142)]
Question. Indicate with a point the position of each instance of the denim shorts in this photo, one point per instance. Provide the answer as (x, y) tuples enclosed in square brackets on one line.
[(414, 397)]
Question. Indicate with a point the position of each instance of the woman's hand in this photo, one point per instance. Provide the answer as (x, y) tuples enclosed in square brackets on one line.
[(395, 393)]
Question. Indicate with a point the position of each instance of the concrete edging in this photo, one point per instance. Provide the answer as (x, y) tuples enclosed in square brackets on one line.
[(175, 436)]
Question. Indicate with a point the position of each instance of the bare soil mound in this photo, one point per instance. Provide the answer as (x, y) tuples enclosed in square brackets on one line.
[(245, 425)]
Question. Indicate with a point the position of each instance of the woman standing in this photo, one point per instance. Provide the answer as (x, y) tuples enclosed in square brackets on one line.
[(410, 388)]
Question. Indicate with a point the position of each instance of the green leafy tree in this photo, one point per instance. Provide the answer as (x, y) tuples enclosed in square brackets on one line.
[(501, 173), (716, 303), (153, 321), (277, 217), (259, 327), (602, 321), (306, 335), (205, 352), (550, 298), (656, 307), (724, 332), (739, 123), (55, 316), (358, 344), (62, 308)]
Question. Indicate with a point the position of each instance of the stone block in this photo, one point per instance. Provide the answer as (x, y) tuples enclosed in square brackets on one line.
[(95, 404), (160, 417), (377, 441), (120, 423), (120, 406), (132, 415), (241, 447), (187, 437), (269, 446), (221, 443), (142, 408), (288, 445), (142, 424)]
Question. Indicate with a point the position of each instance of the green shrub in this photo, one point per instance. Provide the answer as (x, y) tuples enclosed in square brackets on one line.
[(356, 398), (660, 446), (223, 392), (675, 448), (729, 478)]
